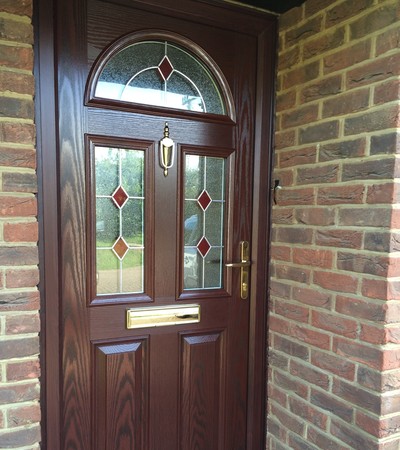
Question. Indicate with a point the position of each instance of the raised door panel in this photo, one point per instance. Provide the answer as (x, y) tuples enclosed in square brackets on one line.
[(202, 391), (121, 396)]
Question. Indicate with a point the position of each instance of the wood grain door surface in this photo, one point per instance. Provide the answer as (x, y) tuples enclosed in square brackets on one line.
[(169, 387)]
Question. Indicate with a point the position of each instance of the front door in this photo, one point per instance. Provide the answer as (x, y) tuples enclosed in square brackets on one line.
[(160, 260)]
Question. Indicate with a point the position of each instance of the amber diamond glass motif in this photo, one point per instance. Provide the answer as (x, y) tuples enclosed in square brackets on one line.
[(204, 200), (165, 68), (120, 248), (120, 197)]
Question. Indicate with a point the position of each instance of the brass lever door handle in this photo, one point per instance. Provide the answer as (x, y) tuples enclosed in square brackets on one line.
[(244, 266)]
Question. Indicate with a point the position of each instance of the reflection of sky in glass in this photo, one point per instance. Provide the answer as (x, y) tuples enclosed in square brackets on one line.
[(154, 97)]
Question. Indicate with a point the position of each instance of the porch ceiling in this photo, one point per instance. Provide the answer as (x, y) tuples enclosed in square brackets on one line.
[(278, 6)]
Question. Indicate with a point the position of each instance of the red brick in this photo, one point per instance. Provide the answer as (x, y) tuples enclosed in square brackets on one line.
[(383, 193), (380, 428), (292, 311), (385, 144), (282, 216), (16, 107), (384, 168), (392, 335), (285, 139), (12, 30), (19, 301), (387, 92), (314, 258), (388, 40), (22, 323), (23, 370), (319, 132), (19, 348), (23, 255), (288, 58), (20, 437), (357, 396), (307, 413), (19, 182), (279, 289), (318, 174), (315, 6), (346, 103), (324, 442), (377, 19), (294, 235), (16, 82), (312, 297), (351, 435), (281, 253), (17, 278), (348, 57), (291, 384), (21, 232), (334, 364), (290, 18), (339, 238), (371, 379), (320, 89), (363, 263), (285, 178), (336, 282), (19, 7), (334, 406), (300, 116), (373, 334), (278, 360), (17, 157), (16, 57), (342, 150), (285, 101), (310, 374), (306, 29), (292, 273), (357, 352), (360, 309), (19, 133), (18, 393), (316, 216), (299, 75), (346, 10), (292, 423), (295, 197), (278, 325), (378, 69), (334, 323), (23, 415), (312, 337), (337, 195), (18, 206), (324, 43), (291, 348), (372, 217)]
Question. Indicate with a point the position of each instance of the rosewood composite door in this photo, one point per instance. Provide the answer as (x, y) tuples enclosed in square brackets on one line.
[(136, 238)]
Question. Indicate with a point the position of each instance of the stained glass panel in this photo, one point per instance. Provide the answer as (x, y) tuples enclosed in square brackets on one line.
[(160, 73), (204, 222), (119, 220)]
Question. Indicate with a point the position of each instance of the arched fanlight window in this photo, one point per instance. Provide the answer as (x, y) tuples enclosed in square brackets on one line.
[(161, 72)]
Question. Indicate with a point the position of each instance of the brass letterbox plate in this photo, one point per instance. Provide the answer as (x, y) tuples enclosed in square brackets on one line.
[(154, 316)]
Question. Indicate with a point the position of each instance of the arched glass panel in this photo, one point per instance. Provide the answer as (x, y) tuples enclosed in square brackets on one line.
[(160, 73)]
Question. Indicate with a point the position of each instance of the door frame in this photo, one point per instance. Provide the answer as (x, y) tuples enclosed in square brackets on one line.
[(261, 25)]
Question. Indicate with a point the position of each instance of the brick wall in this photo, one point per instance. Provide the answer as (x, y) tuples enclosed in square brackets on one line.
[(19, 299), (335, 289)]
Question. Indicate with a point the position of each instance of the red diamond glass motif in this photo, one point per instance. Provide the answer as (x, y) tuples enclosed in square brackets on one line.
[(203, 247), (120, 248), (120, 197), (204, 200), (165, 68)]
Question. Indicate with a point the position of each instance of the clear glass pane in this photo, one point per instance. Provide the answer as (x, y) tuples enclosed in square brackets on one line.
[(107, 173), (107, 222), (107, 272), (159, 73), (119, 221), (132, 269), (204, 222), (132, 222)]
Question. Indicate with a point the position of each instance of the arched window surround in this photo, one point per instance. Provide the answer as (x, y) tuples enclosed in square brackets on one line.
[(149, 35)]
